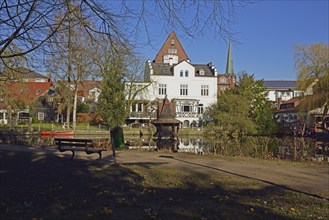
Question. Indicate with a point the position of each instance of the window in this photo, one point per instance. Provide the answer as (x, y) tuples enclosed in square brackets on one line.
[(201, 72), (181, 73), (183, 89), (162, 89), (204, 90), (186, 108), (140, 107), (41, 116), (170, 61), (200, 109), (186, 73), (172, 41), (172, 50), (222, 80)]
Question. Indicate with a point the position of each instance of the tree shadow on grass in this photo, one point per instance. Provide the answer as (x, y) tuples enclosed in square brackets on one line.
[(47, 186)]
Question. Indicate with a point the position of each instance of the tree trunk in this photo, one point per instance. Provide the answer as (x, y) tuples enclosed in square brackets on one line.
[(74, 121), (68, 116)]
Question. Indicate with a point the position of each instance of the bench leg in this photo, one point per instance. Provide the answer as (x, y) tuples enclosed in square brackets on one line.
[(73, 153), (100, 155)]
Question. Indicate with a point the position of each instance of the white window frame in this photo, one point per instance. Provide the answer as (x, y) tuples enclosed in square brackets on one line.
[(183, 89), (41, 116), (204, 90), (162, 89)]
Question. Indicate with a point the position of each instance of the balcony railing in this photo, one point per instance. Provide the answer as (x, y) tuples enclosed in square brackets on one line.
[(188, 115), (140, 115), (147, 115)]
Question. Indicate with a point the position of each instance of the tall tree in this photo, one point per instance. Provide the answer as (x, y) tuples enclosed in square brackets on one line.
[(312, 64), (74, 48)]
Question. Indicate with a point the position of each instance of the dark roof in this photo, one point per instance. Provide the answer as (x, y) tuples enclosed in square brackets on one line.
[(207, 70), (280, 84), (164, 69)]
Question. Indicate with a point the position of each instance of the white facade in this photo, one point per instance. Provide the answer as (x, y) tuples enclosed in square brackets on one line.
[(192, 92), (274, 95)]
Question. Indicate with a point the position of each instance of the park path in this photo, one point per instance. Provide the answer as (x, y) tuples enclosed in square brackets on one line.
[(311, 179), (308, 178)]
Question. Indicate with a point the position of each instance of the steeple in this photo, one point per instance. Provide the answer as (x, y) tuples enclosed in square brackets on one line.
[(172, 51), (229, 62)]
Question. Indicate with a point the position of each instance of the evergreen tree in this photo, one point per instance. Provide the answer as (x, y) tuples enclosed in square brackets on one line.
[(111, 104)]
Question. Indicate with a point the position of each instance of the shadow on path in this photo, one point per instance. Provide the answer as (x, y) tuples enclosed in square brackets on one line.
[(248, 177)]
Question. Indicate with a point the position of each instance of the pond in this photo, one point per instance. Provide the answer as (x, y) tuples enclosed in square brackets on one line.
[(290, 148)]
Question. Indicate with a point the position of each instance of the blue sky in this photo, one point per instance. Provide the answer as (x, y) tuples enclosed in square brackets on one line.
[(267, 32)]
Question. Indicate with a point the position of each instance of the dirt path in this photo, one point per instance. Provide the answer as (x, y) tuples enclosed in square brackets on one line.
[(310, 179)]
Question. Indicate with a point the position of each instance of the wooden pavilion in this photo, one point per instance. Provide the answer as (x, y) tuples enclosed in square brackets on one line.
[(166, 124)]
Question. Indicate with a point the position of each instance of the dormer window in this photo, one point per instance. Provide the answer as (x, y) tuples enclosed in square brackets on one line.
[(201, 72)]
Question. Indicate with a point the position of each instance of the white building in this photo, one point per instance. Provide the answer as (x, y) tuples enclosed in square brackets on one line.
[(192, 87), (281, 90)]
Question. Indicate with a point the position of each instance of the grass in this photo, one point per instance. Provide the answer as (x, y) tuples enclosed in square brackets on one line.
[(41, 186)]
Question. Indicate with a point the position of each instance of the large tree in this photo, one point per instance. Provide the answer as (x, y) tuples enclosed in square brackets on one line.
[(242, 110), (72, 57), (312, 64), (28, 24)]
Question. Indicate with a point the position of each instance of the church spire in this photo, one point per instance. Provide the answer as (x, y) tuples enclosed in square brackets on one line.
[(229, 62)]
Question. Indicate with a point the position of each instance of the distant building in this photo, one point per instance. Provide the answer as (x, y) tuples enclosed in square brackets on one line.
[(281, 90), (26, 99), (89, 90)]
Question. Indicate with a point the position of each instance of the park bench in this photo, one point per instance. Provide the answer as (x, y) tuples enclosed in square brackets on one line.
[(78, 144)]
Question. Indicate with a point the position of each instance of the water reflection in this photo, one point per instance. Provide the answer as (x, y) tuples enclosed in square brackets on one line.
[(290, 148)]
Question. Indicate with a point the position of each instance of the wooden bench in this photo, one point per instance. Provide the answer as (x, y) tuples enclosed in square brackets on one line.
[(77, 144)]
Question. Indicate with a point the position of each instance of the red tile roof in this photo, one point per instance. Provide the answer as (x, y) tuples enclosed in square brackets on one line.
[(27, 91)]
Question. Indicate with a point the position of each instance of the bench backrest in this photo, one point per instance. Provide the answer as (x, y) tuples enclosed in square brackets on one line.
[(77, 142)]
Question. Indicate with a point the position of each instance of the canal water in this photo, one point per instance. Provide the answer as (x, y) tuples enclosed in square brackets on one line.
[(289, 148)]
